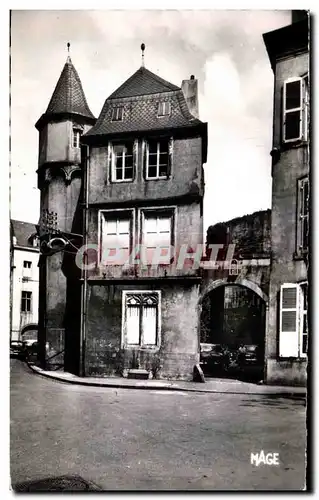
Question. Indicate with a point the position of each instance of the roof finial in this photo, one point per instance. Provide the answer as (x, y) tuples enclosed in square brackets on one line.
[(68, 60), (142, 49)]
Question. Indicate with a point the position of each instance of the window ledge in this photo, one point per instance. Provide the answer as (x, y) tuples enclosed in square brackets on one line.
[(124, 181), (157, 178), (142, 347), (294, 144), (293, 359)]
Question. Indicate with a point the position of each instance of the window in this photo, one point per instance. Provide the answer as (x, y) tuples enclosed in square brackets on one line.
[(164, 109), (293, 333), (158, 159), (304, 320), (116, 238), (117, 114), (26, 270), (26, 301), (295, 109), (76, 137), (157, 237), (141, 318), (122, 162), (303, 215)]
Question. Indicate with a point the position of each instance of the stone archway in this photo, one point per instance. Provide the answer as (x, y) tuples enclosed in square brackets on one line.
[(231, 324), (240, 282), (30, 332)]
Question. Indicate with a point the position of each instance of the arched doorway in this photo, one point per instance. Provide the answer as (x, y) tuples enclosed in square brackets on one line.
[(29, 333), (233, 322)]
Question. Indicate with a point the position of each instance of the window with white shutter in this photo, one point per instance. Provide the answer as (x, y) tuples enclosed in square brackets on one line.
[(304, 320), (289, 319), (303, 215), (157, 236), (293, 330), (116, 237), (295, 109)]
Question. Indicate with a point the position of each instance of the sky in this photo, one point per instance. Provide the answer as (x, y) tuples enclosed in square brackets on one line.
[(223, 49)]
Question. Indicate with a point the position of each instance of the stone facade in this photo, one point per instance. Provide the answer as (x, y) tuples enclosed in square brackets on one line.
[(85, 322), (176, 196)]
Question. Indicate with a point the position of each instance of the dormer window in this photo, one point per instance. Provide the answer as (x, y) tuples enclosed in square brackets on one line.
[(35, 241), (117, 114), (76, 137), (164, 108)]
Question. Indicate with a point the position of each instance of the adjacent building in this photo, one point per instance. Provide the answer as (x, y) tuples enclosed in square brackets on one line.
[(287, 330), (24, 274)]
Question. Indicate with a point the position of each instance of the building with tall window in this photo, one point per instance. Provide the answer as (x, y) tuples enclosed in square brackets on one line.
[(287, 330), (128, 189), (24, 273)]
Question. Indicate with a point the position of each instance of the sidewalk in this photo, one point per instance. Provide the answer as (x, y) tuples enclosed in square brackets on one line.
[(219, 386)]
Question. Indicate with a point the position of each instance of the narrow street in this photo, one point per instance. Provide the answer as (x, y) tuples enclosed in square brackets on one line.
[(153, 440)]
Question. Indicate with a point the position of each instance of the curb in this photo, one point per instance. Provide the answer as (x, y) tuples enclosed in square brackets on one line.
[(115, 385)]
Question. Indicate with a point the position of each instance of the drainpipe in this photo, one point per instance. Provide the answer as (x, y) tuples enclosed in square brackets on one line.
[(84, 271)]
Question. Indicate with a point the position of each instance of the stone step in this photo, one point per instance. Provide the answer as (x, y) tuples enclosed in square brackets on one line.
[(138, 374)]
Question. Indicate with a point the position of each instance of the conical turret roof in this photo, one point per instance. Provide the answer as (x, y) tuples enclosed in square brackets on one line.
[(68, 96)]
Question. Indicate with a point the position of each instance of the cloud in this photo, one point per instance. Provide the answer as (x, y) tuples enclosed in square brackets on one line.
[(224, 49)]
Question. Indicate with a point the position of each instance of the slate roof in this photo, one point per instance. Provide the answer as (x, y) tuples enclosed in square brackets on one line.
[(68, 96), (23, 231), (143, 82), (139, 96)]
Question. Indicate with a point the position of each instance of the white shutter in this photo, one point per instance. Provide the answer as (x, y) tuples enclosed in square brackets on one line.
[(133, 325), (292, 110), (109, 161), (149, 325), (303, 320), (289, 320), (305, 107)]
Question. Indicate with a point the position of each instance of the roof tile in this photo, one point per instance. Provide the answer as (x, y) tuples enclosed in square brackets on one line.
[(139, 96), (23, 232), (68, 96)]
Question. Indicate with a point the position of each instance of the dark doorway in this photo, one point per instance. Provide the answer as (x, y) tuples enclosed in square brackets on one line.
[(233, 323)]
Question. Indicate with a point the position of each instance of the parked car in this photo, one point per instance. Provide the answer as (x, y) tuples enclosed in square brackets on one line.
[(213, 356), (32, 351), (17, 349), (252, 355)]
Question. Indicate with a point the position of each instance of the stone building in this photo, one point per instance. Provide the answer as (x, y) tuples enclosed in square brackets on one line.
[(121, 211), (24, 278), (129, 183), (287, 332)]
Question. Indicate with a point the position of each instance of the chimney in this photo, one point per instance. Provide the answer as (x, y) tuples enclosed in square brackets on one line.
[(190, 91)]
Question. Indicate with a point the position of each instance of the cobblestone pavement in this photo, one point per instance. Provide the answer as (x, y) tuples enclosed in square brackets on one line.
[(121, 439)]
